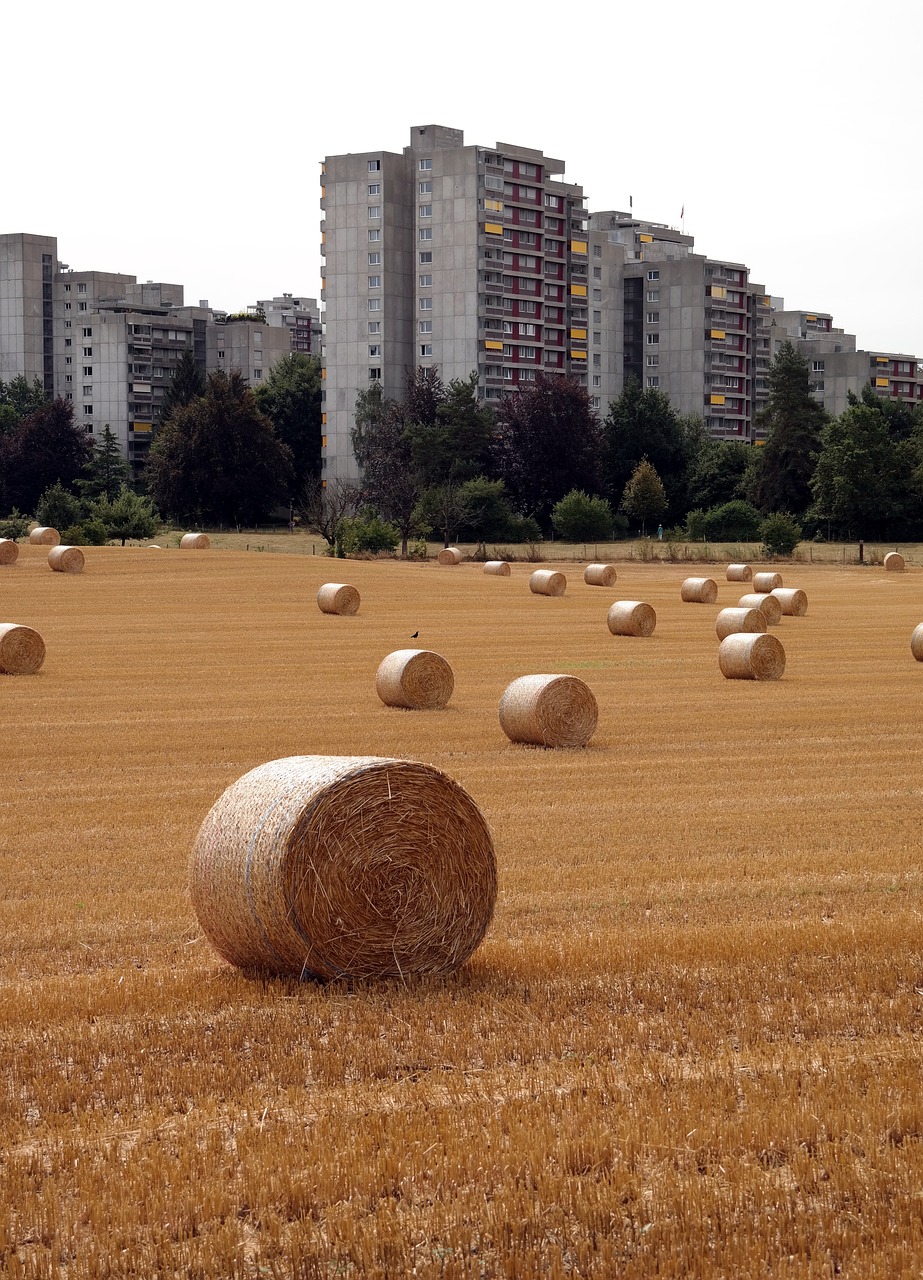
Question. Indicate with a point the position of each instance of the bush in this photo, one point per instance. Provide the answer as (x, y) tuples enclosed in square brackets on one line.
[(92, 533), (522, 529), (580, 518), (695, 525), (59, 508), (735, 521), (14, 525), (366, 533), (780, 533)]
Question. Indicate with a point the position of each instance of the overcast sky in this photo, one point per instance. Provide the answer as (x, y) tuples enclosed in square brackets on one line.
[(182, 142)]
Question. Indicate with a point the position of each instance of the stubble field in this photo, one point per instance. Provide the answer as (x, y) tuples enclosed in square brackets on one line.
[(690, 1044)]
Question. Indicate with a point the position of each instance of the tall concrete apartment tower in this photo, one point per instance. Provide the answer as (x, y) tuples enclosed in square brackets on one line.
[(27, 269), (468, 258)]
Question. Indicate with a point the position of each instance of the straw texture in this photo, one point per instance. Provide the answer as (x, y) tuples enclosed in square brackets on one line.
[(763, 582), (547, 582), (416, 679), (894, 562), (22, 650), (356, 867), (731, 621), (916, 642), (549, 711), (44, 536), (699, 591), (449, 555), (793, 601), (631, 618), (769, 606), (66, 559), (739, 573), (9, 551), (338, 597), (195, 541), (600, 575), (500, 568), (751, 657)]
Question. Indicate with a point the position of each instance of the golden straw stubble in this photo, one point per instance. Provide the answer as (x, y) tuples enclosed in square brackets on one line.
[(355, 867), (415, 679), (749, 656), (549, 711), (22, 650)]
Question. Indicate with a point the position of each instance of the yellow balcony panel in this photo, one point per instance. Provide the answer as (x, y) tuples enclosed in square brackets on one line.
[(578, 355), (578, 246), (881, 382), (323, 419), (323, 442), (495, 206), (323, 484), (716, 333), (491, 345), (323, 373), (578, 333), (882, 360), (718, 291), (646, 239), (807, 317), (767, 302), (494, 228), (142, 428), (716, 399), (578, 290)]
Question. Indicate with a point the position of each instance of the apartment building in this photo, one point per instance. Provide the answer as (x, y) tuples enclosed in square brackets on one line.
[(299, 315), (27, 269)]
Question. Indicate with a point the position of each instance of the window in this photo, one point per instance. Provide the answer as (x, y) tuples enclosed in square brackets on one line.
[(597, 251), (426, 188), (526, 262), (551, 202), (375, 351), (88, 352), (527, 331), (88, 411), (597, 317), (426, 304), (374, 211), (527, 307), (426, 326), (597, 362), (653, 317), (507, 374), (67, 306), (426, 257), (67, 324), (507, 326), (374, 188), (653, 295), (526, 375), (374, 282), (597, 295), (88, 371), (426, 210), (425, 166), (597, 273), (220, 355), (426, 349), (597, 380), (374, 326), (375, 374), (374, 166), (653, 381), (374, 234), (374, 259), (88, 333), (68, 359), (817, 366), (526, 353), (653, 339), (81, 288), (257, 374), (69, 395), (426, 233), (81, 306), (528, 237), (374, 304), (653, 275), (68, 377), (653, 361), (426, 282), (67, 288), (68, 341)]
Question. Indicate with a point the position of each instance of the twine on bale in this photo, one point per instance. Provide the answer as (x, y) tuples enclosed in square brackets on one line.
[(600, 575), (549, 711), (339, 598), (764, 582), (739, 573), (415, 679), (794, 602), (9, 551), (195, 541), (751, 657), (449, 555), (344, 867), (547, 582), (768, 604), (730, 621), (699, 591), (500, 568), (66, 559), (894, 562), (22, 650), (44, 536), (631, 618), (916, 642)]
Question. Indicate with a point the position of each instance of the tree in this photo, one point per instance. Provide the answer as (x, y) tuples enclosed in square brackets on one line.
[(549, 442), (580, 518), (106, 471), (859, 482), (486, 509), (186, 385), (717, 472), (218, 459), (291, 398), (459, 445), (129, 516), (644, 497), (45, 448), (440, 507), (735, 521), (18, 398), (781, 534), (793, 421), (643, 424), (58, 507), (323, 506), (389, 480)]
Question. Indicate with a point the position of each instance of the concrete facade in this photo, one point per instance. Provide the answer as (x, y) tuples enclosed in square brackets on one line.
[(27, 268)]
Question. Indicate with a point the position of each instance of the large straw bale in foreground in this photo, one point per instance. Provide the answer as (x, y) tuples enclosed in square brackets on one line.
[(894, 562), (794, 601), (916, 642), (751, 657), (416, 679), (699, 591), (356, 867), (9, 551), (763, 582), (631, 618), (730, 621), (549, 711), (499, 568), (739, 573), (449, 555), (547, 582), (44, 536), (22, 650), (338, 597), (600, 575), (195, 541), (769, 606), (66, 559)]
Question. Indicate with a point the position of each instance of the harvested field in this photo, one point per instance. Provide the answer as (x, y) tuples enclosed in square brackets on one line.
[(684, 1048)]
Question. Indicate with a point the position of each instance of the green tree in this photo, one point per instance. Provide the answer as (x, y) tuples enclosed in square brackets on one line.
[(106, 471), (793, 421), (186, 385), (291, 398), (780, 533), (579, 518), (129, 515), (440, 507), (218, 459), (58, 507), (644, 497), (323, 505), (860, 480), (383, 450), (14, 526), (459, 444), (18, 398), (717, 472), (45, 448), (735, 521), (643, 424), (486, 509)]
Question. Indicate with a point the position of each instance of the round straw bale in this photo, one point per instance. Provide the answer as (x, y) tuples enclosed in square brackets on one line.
[(894, 561), (66, 559), (549, 711), (416, 679), (730, 621), (22, 650), (500, 568), (153, 546), (338, 597), (916, 642), (769, 606), (699, 591), (763, 582), (344, 867), (195, 541), (751, 656), (9, 551), (794, 602), (44, 536), (449, 555), (739, 573), (631, 618), (600, 575), (547, 582)]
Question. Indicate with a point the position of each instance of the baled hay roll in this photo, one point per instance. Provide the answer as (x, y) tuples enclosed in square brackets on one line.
[(338, 597), (794, 602), (750, 656), (44, 536), (763, 582), (344, 867), (195, 541), (916, 642), (415, 679), (22, 650), (739, 573), (769, 606), (894, 561), (66, 559), (449, 555), (699, 591), (500, 568), (731, 621), (631, 618), (549, 711), (600, 575), (547, 582), (9, 551)]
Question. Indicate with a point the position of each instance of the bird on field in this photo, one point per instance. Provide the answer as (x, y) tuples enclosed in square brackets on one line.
[(414, 636)]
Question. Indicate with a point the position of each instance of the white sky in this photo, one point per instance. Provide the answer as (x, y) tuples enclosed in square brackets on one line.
[(181, 142)]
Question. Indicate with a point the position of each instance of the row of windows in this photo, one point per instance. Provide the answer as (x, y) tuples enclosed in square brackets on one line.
[(81, 288)]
